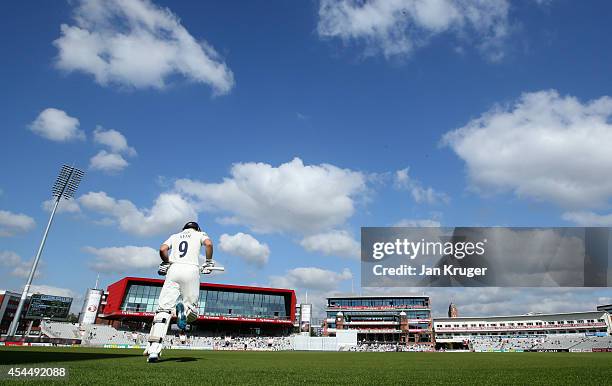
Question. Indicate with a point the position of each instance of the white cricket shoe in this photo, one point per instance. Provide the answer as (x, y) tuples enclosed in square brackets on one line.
[(154, 351), (153, 358)]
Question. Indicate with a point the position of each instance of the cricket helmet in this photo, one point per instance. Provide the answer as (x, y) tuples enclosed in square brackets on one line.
[(192, 225)]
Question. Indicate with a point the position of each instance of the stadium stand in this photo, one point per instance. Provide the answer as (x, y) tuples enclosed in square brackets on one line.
[(593, 344), (60, 330), (386, 347), (574, 343), (252, 343), (99, 335), (484, 344), (558, 343), (103, 335)]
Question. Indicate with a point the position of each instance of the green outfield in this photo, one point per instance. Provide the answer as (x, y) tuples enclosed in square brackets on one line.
[(127, 366)]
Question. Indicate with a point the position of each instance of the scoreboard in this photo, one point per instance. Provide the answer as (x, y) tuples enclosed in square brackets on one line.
[(48, 307)]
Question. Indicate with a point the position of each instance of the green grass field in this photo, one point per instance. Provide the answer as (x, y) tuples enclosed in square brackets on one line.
[(127, 366)]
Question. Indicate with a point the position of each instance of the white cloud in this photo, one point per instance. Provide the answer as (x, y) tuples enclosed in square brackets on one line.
[(604, 300), (123, 259), (398, 27), (113, 161), (56, 125), (332, 243), (22, 270), (168, 214), (65, 206), (51, 290), (588, 219), (417, 223), (135, 43), (545, 146), (9, 258), (116, 141), (487, 301), (246, 247), (108, 162), (311, 278), (12, 262), (420, 194), (493, 301), (11, 223), (291, 197)]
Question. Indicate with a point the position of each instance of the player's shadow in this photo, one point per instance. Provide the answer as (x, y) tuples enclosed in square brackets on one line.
[(182, 359), (21, 357)]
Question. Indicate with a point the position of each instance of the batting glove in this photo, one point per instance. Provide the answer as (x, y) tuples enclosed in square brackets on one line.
[(204, 268), (162, 270)]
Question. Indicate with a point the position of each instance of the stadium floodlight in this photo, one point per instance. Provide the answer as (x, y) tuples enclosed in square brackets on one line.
[(65, 186)]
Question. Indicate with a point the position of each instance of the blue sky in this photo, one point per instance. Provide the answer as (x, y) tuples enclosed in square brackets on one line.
[(289, 125)]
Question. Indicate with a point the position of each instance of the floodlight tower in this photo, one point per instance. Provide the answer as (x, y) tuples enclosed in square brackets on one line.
[(65, 186)]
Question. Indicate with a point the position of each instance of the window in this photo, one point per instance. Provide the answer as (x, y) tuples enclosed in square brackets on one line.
[(216, 303), (141, 298)]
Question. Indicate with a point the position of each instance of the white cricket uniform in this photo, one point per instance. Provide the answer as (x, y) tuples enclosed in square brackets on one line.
[(183, 277)]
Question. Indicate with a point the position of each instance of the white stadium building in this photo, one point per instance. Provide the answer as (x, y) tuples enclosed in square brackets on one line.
[(461, 328), (521, 330)]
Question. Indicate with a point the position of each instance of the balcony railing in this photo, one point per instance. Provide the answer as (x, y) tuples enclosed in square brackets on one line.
[(401, 307), (534, 327)]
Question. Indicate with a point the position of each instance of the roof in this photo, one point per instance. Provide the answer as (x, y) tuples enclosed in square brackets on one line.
[(9, 293), (377, 296), (583, 314)]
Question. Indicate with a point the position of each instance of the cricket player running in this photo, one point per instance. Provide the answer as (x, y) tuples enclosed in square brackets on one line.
[(181, 267)]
